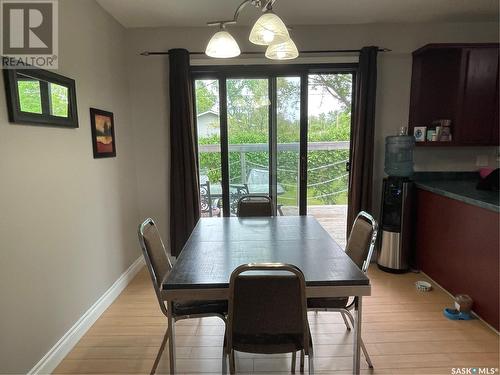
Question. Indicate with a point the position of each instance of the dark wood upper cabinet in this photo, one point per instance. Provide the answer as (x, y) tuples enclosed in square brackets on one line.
[(477, 112), (496, 121), (457, 82)]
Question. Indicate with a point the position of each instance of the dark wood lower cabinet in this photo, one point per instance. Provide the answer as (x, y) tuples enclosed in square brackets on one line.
[(457, 245)]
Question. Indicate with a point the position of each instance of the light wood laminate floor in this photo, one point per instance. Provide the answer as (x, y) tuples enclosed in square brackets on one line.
[(404, 331)]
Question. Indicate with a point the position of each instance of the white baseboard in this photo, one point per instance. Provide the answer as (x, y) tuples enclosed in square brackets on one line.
[(57, 353)]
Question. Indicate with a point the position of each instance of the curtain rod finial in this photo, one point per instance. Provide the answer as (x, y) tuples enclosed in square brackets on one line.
[(145, 53)]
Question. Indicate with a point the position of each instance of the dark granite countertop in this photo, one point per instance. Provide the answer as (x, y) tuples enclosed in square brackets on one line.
[(460, 186)]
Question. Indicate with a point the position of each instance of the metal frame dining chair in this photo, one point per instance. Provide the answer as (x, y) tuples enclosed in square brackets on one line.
[(360, 246), (255, 205), (159, 266), (268, 312)]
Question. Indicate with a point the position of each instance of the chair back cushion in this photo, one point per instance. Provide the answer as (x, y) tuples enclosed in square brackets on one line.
[(359, 241), (268, 313), (155, 252), (253, 206)]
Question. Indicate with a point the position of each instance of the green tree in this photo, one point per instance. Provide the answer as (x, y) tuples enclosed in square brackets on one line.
[(29, 96), (338, 86), (206, 95), (247, 106), (59, 100)]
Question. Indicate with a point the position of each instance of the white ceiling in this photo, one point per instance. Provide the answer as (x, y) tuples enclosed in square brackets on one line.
[(156, 13)]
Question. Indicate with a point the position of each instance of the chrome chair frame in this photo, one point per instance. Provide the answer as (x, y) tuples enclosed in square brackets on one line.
[(161, 300), (346, 311), (308, 345)]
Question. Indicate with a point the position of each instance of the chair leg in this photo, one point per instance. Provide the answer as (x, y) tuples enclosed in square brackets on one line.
[(224, 359), (345, 321), (310, 357), (294, 359), (171, 337), (362, 344), (302, 360), (365, 352), (160, 351), (232, 367)]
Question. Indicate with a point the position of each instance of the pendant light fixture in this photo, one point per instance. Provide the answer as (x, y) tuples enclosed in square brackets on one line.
[(222, 45), (268, 30), (282, 51)]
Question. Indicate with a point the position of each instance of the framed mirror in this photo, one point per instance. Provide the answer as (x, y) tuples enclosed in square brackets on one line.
[(40, 97)]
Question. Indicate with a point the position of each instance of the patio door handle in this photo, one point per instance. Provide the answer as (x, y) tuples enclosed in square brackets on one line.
[(347, 166)]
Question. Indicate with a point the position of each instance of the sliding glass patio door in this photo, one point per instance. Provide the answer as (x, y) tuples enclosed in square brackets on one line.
[(329, 101), (282, 132), (288, 145), (248, 138)]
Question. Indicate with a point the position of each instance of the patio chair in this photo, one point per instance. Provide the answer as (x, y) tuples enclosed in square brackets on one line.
[(359, 247), (235, 193), (159, 266), (255, 205), (257, 176), (207, 208), (268, 312)]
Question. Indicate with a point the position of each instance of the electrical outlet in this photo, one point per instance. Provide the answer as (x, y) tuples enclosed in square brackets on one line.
[(481, 160)]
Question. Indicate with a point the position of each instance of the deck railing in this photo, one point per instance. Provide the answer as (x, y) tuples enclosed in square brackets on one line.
[(292, 146), (242, 149)]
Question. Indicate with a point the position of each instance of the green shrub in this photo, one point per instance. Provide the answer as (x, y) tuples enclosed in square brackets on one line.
[(327, 177)]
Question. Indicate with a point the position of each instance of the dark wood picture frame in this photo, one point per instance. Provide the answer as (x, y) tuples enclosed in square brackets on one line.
[(102, 150), (16, 116)]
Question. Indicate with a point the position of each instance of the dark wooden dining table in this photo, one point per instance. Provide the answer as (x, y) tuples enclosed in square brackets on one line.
[(218, 245)]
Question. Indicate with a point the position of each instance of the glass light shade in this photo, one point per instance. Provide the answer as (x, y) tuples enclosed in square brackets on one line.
[(282, 51), (268, 29), (222, 45)]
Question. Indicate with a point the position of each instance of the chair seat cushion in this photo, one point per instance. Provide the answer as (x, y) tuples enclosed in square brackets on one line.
[(267, 344), (200, 307), (327, 303)]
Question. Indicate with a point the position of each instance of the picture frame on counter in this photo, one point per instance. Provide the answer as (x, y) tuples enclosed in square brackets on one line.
[(419, 132)]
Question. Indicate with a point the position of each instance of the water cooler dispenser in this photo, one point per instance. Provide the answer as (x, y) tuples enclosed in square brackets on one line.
[(396, 213)]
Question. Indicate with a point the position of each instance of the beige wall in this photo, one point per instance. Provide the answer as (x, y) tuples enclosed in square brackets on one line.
[(149, 91), (67, 221)]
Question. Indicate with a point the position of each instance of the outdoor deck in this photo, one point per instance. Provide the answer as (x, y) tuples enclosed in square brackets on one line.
[(332, 217)]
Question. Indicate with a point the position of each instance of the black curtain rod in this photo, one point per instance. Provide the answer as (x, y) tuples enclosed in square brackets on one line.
[(151, 53)]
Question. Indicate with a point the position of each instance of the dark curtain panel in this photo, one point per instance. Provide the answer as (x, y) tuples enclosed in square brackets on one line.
[(184, 185), (362, 134)]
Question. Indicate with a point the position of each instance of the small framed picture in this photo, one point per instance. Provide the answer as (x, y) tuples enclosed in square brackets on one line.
[(103, 133), (419, 133)]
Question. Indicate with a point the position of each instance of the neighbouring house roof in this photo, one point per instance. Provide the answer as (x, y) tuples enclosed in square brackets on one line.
[(213, 113)]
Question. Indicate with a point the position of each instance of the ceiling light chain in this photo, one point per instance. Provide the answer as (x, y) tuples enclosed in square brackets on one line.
[(269, 30)]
